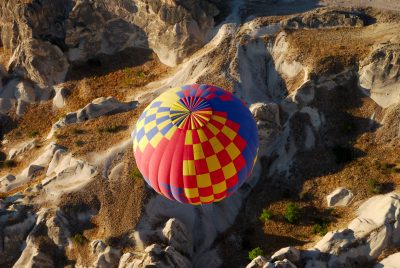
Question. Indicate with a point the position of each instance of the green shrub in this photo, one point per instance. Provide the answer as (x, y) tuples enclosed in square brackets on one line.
[(127, 71), (255, 252), (374, 186), (33, 134), (79, 239), (135, 174), (320, 228), (388, 168), (265, 215), (292, 213), (141, 74)]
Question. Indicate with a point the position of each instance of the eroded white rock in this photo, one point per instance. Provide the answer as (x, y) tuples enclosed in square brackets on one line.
[(380, 75), (339, 197)]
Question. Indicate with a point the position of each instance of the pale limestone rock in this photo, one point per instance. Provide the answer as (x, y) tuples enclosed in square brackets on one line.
[(339, 197), (33, 257), (176, 235), (21, 148), (98, 107), (60, 96), (97, 246), (258, 262), (326, 19), (108, 258), (393, 261), (380, 75), (289, 253)]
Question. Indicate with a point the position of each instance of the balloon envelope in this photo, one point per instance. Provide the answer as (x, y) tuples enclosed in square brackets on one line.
[(196, 144)]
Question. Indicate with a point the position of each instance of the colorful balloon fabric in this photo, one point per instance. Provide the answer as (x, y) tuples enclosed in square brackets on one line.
[(196, 144)]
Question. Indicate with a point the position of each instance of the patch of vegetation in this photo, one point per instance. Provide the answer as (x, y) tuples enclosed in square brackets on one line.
[(265, 215), (33, 134), (111, 129), (79, 143), (135, 174), (374, 186), (60, 136), (320, 228), (78, 131), (292, 213), (127, 71), (141, 74), (342, 154), (255, 252), (388, 168), (7, 164), (79, 239)]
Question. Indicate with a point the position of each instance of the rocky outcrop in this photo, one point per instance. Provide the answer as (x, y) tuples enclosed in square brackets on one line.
[(390, 129), (157, 256), (380, 75), (46, 37), (288, 253), (261, 262), (339, 197), (258, 262), (375, 229), (108, 257), (21, 148), (98, 107), (32, 256), (18, 94), (174, 247), (64, 173), (110, 27), (28, 173), (177, 236), (16, 221), (392, 261), (34, 32), (327, 18)]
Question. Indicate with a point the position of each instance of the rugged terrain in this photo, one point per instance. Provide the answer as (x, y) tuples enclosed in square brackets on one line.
[(322, 79)]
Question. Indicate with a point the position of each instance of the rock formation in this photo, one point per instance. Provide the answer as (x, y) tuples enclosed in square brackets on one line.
[(61, 206)]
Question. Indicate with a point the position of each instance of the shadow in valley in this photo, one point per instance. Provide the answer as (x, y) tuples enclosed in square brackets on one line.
[(104, 64), (334, 149), (260, 8)]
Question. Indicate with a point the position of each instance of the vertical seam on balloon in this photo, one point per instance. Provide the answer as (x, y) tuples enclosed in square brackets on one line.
[(170, 177)]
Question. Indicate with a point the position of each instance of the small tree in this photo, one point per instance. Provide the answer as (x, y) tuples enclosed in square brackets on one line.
[(79, 239), (374, 186), (265, 215), (320, 228), (135, 174), (255, 252), (292, 213)]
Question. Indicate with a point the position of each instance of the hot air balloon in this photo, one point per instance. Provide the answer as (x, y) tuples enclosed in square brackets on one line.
[(196, 144)]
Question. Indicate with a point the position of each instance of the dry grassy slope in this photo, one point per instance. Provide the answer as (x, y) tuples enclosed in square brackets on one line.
[(122, 76)]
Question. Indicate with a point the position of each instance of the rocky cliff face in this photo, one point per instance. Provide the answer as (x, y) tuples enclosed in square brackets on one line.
[(56, 33)]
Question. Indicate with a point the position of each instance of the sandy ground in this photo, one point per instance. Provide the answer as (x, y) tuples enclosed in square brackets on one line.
[(381, 4)]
